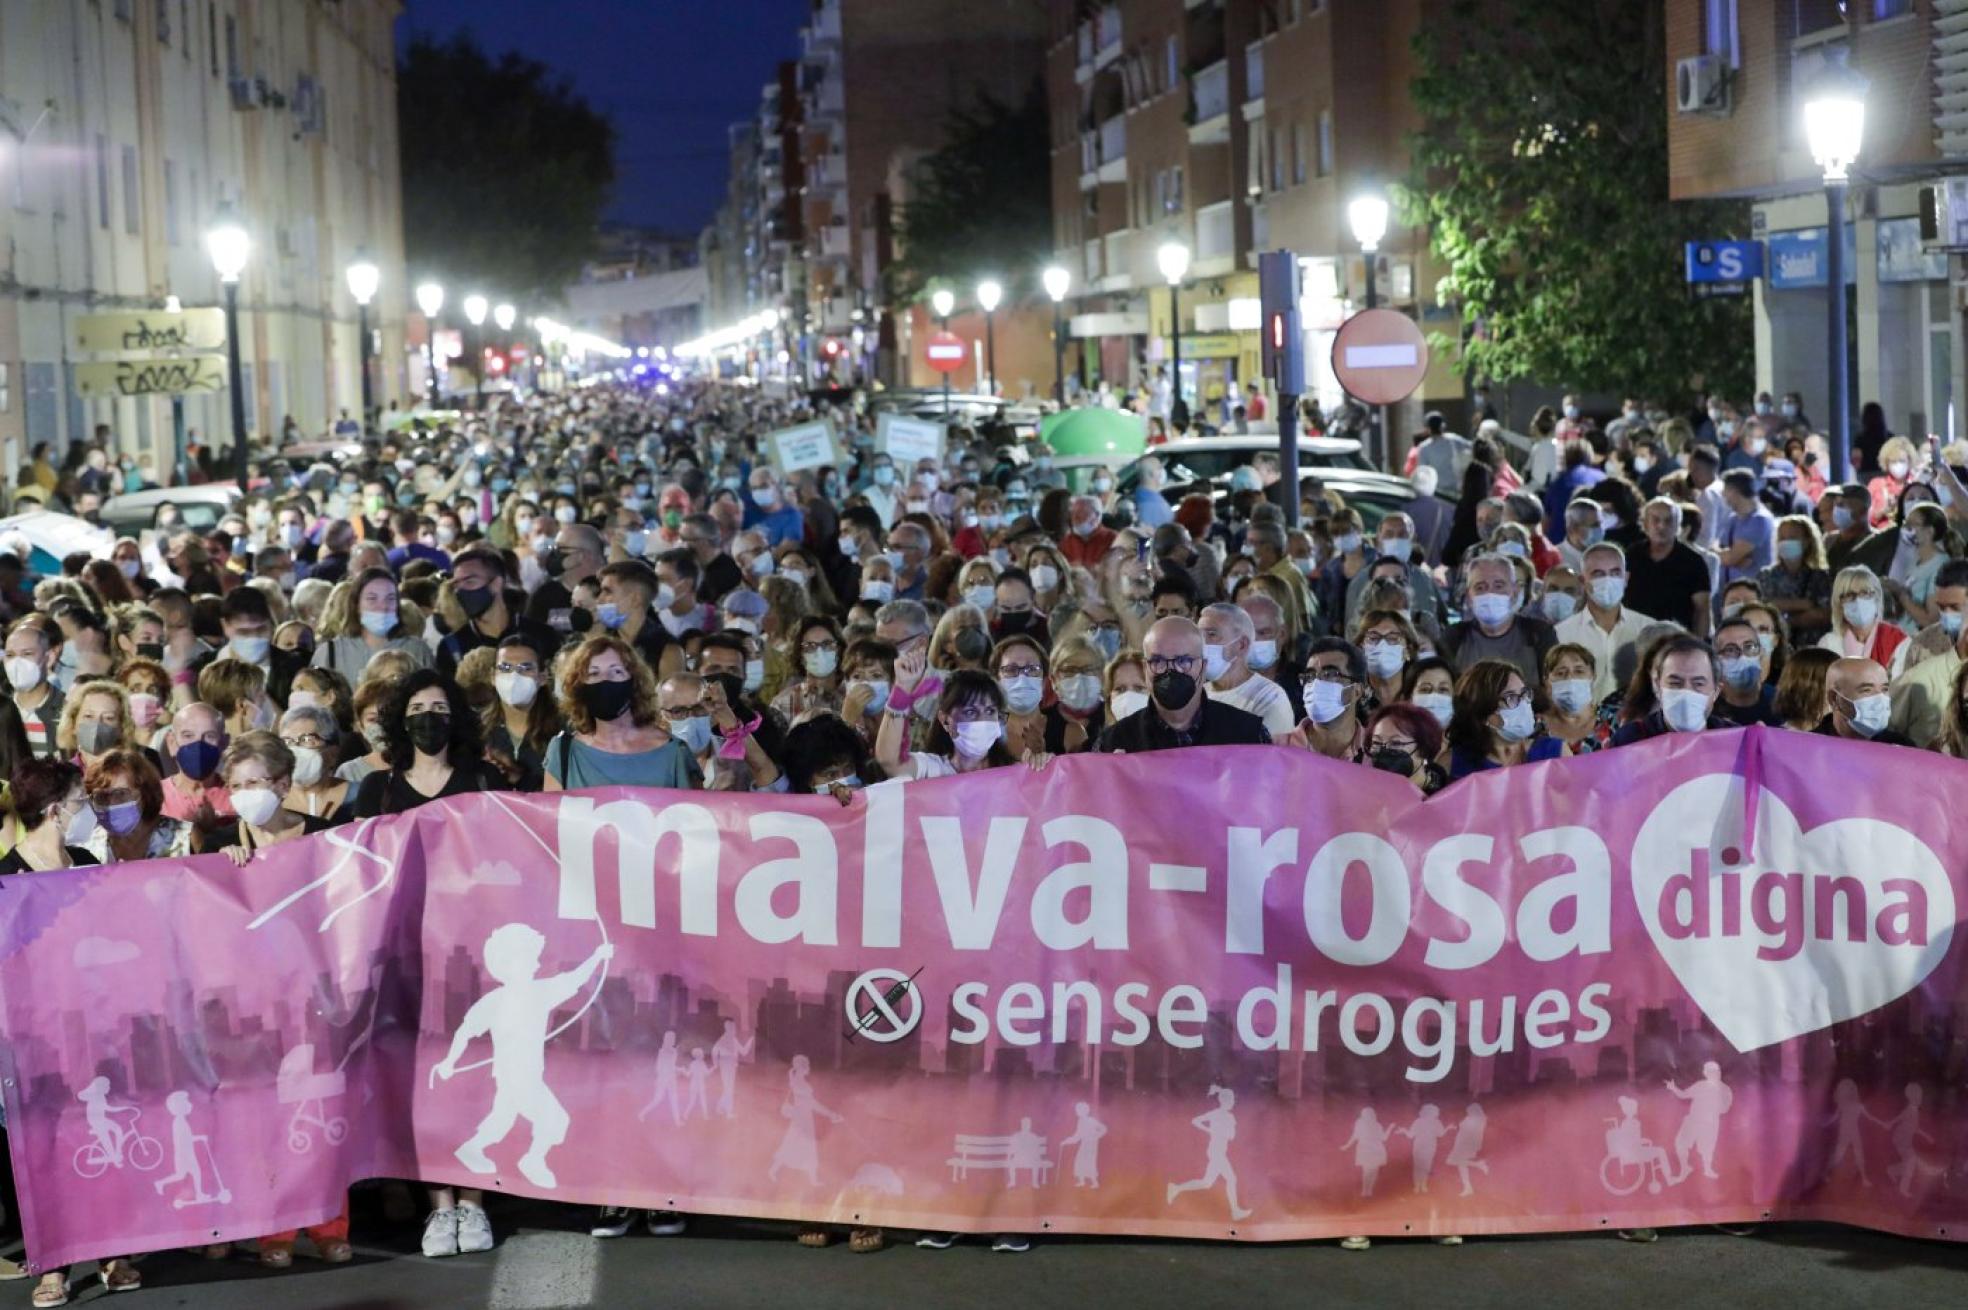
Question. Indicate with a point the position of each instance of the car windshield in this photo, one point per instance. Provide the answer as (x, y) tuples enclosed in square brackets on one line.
[(1210, 465)]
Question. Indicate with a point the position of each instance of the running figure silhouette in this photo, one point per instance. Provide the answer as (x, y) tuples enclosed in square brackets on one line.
[(1221, 1125), (515, 1016)]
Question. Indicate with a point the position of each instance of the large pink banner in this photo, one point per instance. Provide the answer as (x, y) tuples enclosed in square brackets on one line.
[(1240, 993)]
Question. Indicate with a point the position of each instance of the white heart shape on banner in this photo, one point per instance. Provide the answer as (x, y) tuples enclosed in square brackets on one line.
[(1770, 956)]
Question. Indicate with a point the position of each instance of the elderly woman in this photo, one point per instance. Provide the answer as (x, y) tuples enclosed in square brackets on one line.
[(1404, 739), (369, 700), (96, 720), (1858, 626), (312, 735), (128, 797), (362, 620), (1125, 684), (962, 640), (1495, 723)]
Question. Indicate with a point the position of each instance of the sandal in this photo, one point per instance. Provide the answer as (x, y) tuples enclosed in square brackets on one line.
[(51, 1292), (120, 1275), (335, 1251), (815, 1237), (864, 1241), (276, 1255)]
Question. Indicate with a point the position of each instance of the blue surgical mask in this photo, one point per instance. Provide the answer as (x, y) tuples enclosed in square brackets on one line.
[(694, 732), (1951, 622), (1743, 672), (612, 616), (251, 649)]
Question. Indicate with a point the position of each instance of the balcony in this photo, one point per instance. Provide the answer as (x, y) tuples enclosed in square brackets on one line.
[(1216, 240), (1253, 81), (1089, 160), (827, 173), (1118, 250), (833, 242), (1107, 37), (1113, 149), (1083, 60), (826, 24), (1260, 231), (827, 101), (1210, 99), (1095, 267)]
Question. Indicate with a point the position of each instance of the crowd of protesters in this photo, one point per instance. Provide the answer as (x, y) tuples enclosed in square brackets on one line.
[(619, 586)]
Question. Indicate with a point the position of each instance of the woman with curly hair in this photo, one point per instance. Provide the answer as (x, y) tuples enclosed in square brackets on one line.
[(614, 735), (432, 743)]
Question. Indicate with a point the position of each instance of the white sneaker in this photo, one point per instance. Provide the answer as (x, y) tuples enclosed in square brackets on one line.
[(937, 1241), (474, 1230), (1355, 1243), (441, 1234), (1013, 1242), (612, 1221), (664, 1223)]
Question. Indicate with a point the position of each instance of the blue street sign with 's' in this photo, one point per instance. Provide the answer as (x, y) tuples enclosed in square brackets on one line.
[(1724, 261)]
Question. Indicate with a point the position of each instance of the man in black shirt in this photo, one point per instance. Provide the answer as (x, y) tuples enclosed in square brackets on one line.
[(478, 575), (577, 555), (1855, 691), (1178, 713), (1666, 577), (717, 572)]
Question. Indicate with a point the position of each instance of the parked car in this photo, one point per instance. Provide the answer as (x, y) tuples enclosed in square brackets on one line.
[(199, 508), (49, 537), (1208, 463)]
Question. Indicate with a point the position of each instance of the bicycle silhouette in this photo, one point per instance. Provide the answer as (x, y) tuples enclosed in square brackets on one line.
[(123, 1145)]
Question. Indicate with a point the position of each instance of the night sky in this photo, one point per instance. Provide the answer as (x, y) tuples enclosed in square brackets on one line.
[(671, 73)]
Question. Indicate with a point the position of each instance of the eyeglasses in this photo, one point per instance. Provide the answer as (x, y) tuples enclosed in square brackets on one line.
[(306, 741), (1328, 675), (1395, 744), (1510, 700), (698, 710), (1383, 639), (1020, 671), (818, 647), (1178, 663), (1734, 651), (529, 668)]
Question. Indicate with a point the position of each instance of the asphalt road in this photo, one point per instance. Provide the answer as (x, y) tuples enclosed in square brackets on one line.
[(546, 1260)]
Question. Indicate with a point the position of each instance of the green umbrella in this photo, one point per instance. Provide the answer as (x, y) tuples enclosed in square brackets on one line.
[(1096, 432)]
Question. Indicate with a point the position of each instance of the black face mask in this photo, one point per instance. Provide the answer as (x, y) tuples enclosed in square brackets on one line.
[(1393, 761), (606, 700), (972, 645), (1173, 690), (430, 731), (1016, 621), (476, 600), (150, 650), (553, 562)]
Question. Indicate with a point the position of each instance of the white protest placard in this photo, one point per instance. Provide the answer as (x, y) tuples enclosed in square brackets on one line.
[(806, 446), (909, 439)]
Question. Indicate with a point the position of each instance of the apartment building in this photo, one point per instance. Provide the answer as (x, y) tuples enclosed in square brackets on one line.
[(1231, 127), (124, 126), (1740, 71)]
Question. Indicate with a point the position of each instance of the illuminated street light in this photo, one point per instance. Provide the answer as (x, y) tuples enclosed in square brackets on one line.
[(1056, 281), (1173, 260), (1834, 128), (430, 299), (229, 245), (363, 279)]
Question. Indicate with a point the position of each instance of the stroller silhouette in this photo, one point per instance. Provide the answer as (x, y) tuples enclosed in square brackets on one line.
[(298, 1085)]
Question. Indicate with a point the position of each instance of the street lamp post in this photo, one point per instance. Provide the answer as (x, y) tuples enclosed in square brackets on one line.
[(1057, 280), (1173, 259), (430, 299), (943, 300), (1367, 216), (476, 308), (1834, 126), (989, 293), (503, 315), (363, 278), (227, 242)]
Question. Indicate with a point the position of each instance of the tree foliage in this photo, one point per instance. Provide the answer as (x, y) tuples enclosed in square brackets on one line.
[(981, 203), (1540, 172), (505, 170)]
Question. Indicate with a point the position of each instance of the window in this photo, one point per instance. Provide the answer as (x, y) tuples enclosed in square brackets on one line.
[(164, 22), (1277, 162), (212, 36), (1719, 31), (170, 202), (1254, 164), (1325, 143), (13, 153), (1175, 190), (1884, 9), (1808, 16), (102, 182), (1294, 10), (1174, 66), (184, 28), (131, 196), (1297, 155), (232, 48)]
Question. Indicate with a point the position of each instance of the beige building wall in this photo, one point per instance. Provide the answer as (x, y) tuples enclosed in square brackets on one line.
[(124, 125)]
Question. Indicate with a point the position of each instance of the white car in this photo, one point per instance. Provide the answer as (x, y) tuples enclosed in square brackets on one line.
[(199, 508), (43, 538)]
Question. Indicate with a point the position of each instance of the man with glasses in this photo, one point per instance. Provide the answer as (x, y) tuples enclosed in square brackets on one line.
[(1178, 713), (1746, 697), (717, 572), (1495, 630), (904, 624), (1335, 689), (908, 552)]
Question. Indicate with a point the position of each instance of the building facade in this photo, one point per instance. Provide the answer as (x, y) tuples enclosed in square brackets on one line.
[(1231, 127), (1740, 72), (125, 125)]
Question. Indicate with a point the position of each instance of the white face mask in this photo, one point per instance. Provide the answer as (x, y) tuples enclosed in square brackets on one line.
[(1870, 713), (1325, 701), (877, 693), (1572, 694), (1263, 654), (975, 739), (307, 766), (1517, 722), (256, 805), (1859, 611), (1080, 692), (1125, 703), (515, 689), (1044, 577), (981, 597), (1385, 658), (1215, 663), (754, 674), (24, 674), (1684, 710), (1023, 693), (80, 828), (1438, 703), (877, 591)]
